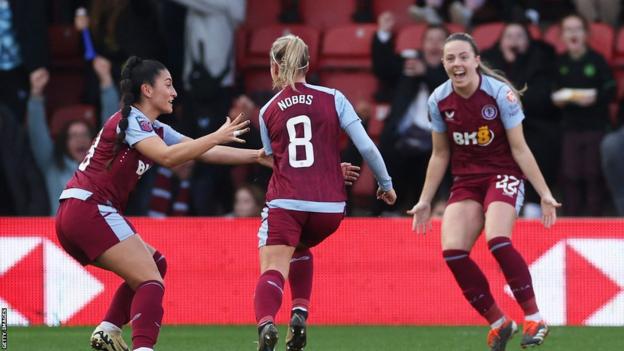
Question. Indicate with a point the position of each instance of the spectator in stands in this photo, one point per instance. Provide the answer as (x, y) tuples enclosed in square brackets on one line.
[(208, 76), (613, 162), (171, 194), (59, 158), (605, 11), (584, 87), (248, 201), (21, 185), (406, 140), (121, 28), (531, 63), (465, 13), (242, 174), (23, 51)]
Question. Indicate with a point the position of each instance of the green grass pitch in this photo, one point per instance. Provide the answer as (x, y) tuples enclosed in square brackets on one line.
[(326, 338)]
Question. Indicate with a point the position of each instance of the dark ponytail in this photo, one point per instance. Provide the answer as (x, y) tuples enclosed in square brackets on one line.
[(136, 72)]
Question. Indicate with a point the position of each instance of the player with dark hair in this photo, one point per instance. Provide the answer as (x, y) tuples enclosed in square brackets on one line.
[(89, 223), (305, 202), (476, 118)]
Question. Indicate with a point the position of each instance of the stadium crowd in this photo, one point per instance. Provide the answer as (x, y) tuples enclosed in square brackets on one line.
[(60, 64)]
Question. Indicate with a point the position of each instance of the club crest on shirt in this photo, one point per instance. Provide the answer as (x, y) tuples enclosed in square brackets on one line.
[(449, 114), (144, 124), (489, 112)]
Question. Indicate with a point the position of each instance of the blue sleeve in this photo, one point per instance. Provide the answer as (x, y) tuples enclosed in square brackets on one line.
[(371, 155), (170, 135), (40, 141), (264, 135), (510, 107), (109, 99), (437, 122), (139, 128), (346, 113)]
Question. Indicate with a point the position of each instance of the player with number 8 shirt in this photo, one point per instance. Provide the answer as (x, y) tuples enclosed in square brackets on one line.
[(476, 119), (305, 202)]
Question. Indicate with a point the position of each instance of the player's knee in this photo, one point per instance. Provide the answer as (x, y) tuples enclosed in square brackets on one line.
[(161, 263)]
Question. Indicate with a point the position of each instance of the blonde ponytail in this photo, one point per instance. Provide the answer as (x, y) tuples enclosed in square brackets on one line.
[(291, 55), (485, 69)]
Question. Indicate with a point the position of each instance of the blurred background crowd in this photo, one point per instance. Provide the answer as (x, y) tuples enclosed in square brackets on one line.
[(60, 62)]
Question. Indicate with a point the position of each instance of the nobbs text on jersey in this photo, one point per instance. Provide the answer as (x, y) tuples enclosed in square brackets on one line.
[(295, 99)]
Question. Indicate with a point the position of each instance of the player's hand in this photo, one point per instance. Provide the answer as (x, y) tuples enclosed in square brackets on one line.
[(231, 130), (389, 197), (350, 173), (422, 213), (264, 159), (549, 210)]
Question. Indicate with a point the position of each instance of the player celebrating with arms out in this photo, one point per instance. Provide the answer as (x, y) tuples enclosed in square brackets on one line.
[(300, 126), (476, 119), (89, 223)]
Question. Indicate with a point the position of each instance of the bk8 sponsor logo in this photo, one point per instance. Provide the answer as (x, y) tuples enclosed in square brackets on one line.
[(482, 137)]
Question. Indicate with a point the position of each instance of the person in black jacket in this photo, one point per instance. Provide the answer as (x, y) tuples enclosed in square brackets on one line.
[(531, 63), (583, 89), (24, 51), (22, 186), (405, 140)]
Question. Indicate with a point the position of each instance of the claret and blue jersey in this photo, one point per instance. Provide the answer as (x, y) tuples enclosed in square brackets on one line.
[(301, 129), (476, 126)]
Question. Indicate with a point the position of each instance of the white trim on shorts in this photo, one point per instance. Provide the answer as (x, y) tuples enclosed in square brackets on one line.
[(520, 198), (116, 222), (263, 231)]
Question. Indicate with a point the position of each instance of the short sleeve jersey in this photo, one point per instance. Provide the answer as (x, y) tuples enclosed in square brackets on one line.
[(301, 129), (111, 180), (476, 126)]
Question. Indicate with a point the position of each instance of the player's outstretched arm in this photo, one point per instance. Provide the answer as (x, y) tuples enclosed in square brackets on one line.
[(371, 155), (526, 161), (189, 149), (440, 156)]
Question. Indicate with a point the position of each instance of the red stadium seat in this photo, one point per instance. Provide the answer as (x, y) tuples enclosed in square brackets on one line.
[(348, 46), (64, 115), (486, 35), (63, 89), (397, 7), (258, 80), (261, 39), (410, 37), (356, 86), (65, 47), (261, 13), (601, 38), (326, 13)]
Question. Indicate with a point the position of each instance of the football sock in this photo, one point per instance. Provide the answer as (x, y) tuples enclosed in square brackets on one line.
[(119, 310), (473, 283), (516, 273), (498, 323), (147, 313), (300, 279), (268, 296)]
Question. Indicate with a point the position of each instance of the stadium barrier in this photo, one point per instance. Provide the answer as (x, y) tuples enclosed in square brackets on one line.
[(372, 271)]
